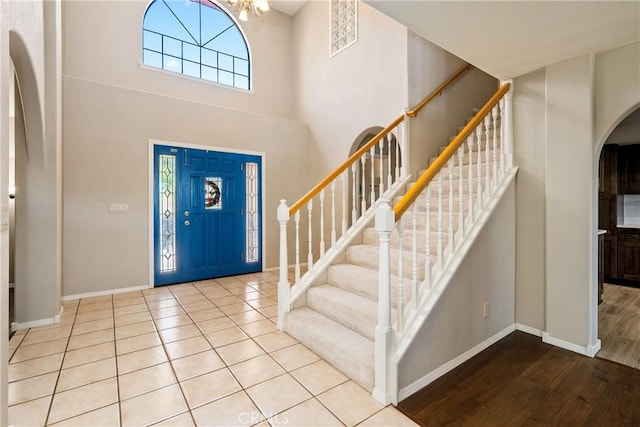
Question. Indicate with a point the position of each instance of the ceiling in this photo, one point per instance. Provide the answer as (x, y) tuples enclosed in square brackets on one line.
[(290, 7), (512, 38)]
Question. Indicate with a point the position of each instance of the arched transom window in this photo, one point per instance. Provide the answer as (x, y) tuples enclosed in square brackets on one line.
[(196, 38)]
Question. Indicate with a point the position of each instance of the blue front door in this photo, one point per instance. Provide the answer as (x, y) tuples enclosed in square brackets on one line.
[(207, 214)]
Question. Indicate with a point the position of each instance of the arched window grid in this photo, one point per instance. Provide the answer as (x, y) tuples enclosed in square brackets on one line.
[(211, 48)]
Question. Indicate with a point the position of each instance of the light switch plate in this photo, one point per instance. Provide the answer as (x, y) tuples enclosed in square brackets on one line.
[(118, 208)]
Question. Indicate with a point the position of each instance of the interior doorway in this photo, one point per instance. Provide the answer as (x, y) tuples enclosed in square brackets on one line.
[(619, 243), (13, 89), (382, 160)]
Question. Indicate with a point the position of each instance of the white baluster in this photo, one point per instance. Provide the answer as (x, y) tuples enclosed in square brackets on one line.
[(471, 200), (310, 254), (363, 190), (345, 178), (322, 222), (427, 263), (479, 175), (460, 191), (440, 231), (389, 177), (354, 192), (333, 213), (494, 115), (372, 153), (297, 268), (487, 127), (414, 255), (384, 334), (452, 243), (405, 129), (502, 124), (381, 167), (283, 282), (507, 119), (400, 308)]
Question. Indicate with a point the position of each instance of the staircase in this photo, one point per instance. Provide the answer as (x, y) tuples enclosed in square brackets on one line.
[(339, 319), (379, 257)]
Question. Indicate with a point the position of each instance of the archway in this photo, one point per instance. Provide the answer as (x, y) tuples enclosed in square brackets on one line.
[(384, 159), (618, 210)]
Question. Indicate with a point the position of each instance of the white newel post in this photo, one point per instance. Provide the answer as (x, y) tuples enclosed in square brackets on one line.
[(507, 119), (385, 222), (404, 144), (283, 283)]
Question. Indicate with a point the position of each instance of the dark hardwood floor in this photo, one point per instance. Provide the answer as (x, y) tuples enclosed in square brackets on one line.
[(521, 381)]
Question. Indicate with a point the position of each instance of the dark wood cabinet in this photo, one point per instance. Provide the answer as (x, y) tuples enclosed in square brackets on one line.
[(607, 220), (608, 173), (607, 210), (629, 169), (629, 254)]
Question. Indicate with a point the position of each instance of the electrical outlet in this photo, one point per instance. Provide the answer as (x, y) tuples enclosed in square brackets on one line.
[(486, 309)]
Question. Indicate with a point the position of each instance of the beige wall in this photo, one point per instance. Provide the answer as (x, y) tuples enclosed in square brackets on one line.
[(363, 86), (22, 39), (106, 157), (428, 67), (617, 89), (113, 106), (568, 196), (103, 40), (457, 323), (563, 114), (529, 150), (30, 29)]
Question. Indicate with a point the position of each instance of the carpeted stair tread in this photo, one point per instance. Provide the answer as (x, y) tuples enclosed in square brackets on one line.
[(343, 348), (353, 311), (363, 281)]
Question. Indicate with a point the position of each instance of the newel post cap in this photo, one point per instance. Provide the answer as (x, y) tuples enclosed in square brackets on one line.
[(283, 211), (385, 217)]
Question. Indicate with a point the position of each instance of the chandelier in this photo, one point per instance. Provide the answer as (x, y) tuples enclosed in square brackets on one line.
[(244, 6)]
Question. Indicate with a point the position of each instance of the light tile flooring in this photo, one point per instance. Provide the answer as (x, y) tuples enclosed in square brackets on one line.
[(205, 353)]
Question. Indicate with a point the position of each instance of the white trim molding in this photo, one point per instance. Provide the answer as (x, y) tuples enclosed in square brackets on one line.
[(589, 350), (529, 330), (106, 292), (35, 323)]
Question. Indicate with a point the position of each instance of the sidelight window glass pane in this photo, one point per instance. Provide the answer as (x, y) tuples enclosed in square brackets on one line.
[(167, 212), (252, 212)]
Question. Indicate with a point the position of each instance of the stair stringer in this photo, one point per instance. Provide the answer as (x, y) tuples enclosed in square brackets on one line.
[(415, 319), (299, 290)]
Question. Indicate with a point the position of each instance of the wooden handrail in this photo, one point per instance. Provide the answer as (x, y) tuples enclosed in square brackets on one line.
[(414, 112), (410, 197), (333, 175), (355, 156)]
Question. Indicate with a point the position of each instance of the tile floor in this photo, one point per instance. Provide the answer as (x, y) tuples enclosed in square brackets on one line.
[(205, 353)]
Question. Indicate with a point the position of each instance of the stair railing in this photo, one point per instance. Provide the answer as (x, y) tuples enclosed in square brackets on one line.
[(332, 211), (483, 153)]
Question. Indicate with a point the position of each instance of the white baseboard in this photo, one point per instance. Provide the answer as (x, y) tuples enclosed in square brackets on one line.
[(35, 323), (102, 293), (420, 383), (303, 264), (529, 330), (589, 350)]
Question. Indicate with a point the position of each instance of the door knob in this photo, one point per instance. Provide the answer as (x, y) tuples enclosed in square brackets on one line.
[(186, 213), (187, 223)]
